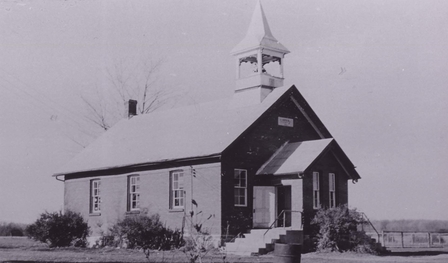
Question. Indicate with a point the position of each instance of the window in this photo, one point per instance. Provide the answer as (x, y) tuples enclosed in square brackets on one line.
[(177, 190), (332, 186), (133, 193), (316, 192), (240, 187), (95, 196)]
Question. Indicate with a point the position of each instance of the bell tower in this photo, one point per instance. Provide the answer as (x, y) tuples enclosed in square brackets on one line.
[(259, 61)]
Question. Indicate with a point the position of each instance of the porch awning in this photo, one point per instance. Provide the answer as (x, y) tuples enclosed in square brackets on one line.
[(294, 158)]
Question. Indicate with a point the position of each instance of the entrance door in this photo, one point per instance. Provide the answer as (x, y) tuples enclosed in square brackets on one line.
[(284, 204), (264, 206)]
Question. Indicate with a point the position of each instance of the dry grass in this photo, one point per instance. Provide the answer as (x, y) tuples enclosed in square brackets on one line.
[(19, 242), (23, 249)]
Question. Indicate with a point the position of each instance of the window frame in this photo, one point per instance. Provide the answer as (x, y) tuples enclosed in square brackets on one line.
[(239, 187), (332, 190), (316, 190), (133, 191), (177, 193), (95, 196)]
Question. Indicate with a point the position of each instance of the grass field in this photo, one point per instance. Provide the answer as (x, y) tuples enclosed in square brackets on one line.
[(23, 249)]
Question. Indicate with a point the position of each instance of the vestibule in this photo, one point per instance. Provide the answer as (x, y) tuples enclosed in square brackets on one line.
[(278, 202)]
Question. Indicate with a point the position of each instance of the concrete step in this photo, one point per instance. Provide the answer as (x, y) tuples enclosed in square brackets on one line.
[(283, 239), (255, 242), (258, 241), (379, 246)]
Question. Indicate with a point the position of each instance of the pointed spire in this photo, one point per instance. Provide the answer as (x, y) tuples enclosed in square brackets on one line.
[(259, 34), (259, 24), (259, 61)]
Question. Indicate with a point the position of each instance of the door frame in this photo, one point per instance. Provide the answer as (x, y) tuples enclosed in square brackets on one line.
[(284, 202)]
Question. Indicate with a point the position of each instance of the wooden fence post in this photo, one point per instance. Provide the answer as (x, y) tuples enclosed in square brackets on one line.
[(402, 240)]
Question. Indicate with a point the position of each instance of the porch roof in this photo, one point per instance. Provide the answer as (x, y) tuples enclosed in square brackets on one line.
[(294, 158)]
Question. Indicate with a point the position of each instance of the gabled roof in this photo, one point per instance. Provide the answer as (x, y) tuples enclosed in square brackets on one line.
[(297, 157), (294, 158), (193, 131), (259, 34)]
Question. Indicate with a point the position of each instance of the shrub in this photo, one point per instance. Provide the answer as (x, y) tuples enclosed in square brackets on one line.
[(338, 230), (238, 223), (11, 229), (59, 229), (199, 242), (146, 232)]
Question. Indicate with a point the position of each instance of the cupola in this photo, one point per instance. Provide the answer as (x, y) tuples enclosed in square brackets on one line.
[(259, 60)]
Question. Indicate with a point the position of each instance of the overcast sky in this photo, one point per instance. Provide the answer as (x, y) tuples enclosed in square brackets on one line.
[(375, 72)]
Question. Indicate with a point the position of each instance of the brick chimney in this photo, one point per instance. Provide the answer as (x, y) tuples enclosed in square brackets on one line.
[(130, 108)]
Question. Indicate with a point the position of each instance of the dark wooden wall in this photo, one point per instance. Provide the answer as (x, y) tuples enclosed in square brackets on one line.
[(253, 149)]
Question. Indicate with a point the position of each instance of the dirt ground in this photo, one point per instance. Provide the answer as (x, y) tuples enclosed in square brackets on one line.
[(22, 249), (395, 256)]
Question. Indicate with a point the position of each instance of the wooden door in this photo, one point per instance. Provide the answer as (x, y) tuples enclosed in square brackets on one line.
[(264, 206)]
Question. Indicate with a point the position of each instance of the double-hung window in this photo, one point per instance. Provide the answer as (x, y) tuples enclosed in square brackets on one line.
[(240, 187), (95, 196), (332, 189), (177, 194), (133, 193), (316, 191)]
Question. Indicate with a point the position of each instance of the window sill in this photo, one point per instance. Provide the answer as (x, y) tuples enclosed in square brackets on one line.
[(95, 214), (176, 210), (133, 212)]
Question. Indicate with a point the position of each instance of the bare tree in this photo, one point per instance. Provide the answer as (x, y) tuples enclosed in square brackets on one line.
[(125, 81)]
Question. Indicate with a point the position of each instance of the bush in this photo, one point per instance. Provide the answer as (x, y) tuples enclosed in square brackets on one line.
[(145, 232), (338, 230), (199, 242), (59, 229), (11, 229)]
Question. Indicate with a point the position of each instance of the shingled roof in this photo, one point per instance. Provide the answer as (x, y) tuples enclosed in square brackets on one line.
[(193, 131)]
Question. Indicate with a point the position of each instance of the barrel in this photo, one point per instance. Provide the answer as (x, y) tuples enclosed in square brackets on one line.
[(287, 253)]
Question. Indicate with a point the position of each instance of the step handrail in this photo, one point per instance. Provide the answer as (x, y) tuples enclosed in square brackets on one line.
[(278, 217), (370, 223)]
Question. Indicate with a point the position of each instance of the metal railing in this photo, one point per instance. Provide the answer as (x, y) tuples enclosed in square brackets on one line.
[(364, 216), (282, 215)]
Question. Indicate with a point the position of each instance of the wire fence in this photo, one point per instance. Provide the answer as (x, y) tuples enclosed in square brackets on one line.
[(401, 239)]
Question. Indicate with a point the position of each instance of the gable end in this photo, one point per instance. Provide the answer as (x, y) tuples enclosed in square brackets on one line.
[(309, 113), (291, 95)]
